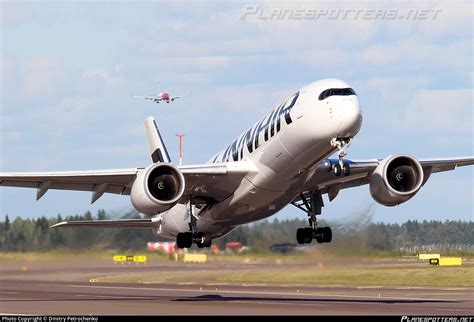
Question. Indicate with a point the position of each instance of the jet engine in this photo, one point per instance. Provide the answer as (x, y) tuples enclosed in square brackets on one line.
[(396, 179), (157, 188)]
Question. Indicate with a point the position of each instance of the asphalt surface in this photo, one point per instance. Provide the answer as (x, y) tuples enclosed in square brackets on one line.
[(71, 287), (63, 298)]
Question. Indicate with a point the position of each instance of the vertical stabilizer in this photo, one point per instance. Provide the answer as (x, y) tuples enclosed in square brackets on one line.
[(155, 142)]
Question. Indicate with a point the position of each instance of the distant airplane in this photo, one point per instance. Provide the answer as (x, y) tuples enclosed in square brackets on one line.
[(282, 159), (161, 97)]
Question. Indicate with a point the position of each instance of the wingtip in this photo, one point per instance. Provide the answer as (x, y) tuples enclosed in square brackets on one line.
[(59, 224)]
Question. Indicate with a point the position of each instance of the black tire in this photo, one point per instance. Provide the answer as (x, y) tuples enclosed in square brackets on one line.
[(308, 235), (319, 235), (346, 169), (180, 242), (327, 233), (300, 236), (199, 242), (204, 240), (207, 240), (188, 240), (337, 170)]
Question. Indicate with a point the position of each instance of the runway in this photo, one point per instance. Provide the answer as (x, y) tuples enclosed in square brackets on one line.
[(79, 298)]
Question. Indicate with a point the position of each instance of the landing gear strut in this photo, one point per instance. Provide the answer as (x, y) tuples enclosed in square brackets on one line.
[(312, 203), (201, 239), (342, 167)]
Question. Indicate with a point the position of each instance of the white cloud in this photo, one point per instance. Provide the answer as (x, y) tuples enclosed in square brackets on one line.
[(440, 110), (414, 53), (41, 76), (14, 13), (10, 136), (196, 62), (30, 79), (110, 79), (65, 114)]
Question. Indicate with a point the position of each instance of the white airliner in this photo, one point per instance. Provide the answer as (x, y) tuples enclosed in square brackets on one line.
[(281, 159), (161, 97)]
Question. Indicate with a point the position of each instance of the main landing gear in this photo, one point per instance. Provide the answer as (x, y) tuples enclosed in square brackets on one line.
[(342, 167), (201, 239), (311, 203)]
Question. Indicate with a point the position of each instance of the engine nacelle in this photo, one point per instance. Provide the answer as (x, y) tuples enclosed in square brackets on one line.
[(396, 179), (157, 188)]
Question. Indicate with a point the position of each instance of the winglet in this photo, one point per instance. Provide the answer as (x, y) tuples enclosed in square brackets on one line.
[(155, 142)]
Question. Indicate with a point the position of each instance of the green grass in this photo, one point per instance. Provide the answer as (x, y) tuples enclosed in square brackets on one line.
[(312, 275), (405, 275), (305, 269)]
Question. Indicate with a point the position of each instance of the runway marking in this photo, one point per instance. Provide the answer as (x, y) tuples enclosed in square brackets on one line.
[(110, 296), (368, 287), (261, 293), (7, 292), (97, 279)]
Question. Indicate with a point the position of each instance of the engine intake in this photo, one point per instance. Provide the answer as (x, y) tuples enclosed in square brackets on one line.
[(157, 188), (396, 179)]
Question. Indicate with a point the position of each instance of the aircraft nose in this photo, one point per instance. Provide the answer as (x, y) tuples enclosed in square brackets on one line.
[(350, 116)]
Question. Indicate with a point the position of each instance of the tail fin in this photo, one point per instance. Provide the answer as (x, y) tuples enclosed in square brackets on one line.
[(155, 142)]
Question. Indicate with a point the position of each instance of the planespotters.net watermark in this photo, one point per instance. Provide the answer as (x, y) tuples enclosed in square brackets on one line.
[(260, 13), (437, 319)]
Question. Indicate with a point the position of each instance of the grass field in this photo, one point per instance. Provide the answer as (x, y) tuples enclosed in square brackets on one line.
[(407, 276), (295, 269)]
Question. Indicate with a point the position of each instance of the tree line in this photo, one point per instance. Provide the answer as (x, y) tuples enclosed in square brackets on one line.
[(360, 234)]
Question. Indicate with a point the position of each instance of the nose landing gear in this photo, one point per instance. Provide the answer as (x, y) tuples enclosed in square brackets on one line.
[(342, 167)]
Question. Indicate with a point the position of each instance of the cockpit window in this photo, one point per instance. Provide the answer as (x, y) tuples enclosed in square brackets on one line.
[(337, 92)]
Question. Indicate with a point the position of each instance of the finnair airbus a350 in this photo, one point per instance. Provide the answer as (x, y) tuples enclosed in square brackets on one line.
[(281, 159)]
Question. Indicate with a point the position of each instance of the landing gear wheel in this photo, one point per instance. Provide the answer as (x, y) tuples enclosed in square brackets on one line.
[(300, 236), (184, 240), (319, 233), (312, 206), (337, 170), (204, 240), (308, 235), (346, 169), (327, 234)]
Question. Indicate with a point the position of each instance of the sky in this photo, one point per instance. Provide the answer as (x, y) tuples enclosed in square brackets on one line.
[(69, 70)]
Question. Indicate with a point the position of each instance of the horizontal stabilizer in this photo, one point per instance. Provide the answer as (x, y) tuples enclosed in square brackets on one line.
[(122, 223)]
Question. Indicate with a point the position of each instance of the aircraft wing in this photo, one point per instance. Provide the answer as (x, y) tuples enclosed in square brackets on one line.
[(120, 223), (176, 97), (205, 181), (209, 181), (325, 181), (152, 98), (117, 181)]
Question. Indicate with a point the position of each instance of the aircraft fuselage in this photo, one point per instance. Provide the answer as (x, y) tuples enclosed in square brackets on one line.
[(285, 145)]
